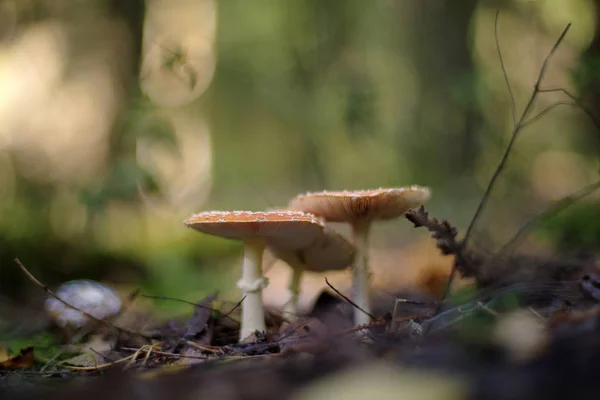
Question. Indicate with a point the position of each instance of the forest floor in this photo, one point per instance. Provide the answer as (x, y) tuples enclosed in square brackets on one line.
[(530, 330)]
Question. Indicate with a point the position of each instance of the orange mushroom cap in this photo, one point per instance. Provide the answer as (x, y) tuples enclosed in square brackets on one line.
[(329, 252), (346, 206), (286, 229)]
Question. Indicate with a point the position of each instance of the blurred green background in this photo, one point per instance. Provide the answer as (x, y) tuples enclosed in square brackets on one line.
[(119, 119)]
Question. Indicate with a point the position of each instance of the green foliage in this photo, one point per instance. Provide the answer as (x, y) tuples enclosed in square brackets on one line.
[(575, 229), (46, 344), (588, 73)]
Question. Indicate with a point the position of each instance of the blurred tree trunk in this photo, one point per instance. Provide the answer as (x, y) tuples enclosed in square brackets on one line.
[(123, 174), (588, 80), (132, 13), (448, 117)]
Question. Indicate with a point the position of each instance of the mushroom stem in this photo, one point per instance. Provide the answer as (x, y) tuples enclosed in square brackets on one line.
[(291, 306), (252, 284), (360, 272)]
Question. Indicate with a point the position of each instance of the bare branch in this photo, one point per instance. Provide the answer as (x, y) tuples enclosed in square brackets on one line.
[(545, 111), (515, 133), (510, 93), (556, 208), (576, 101)]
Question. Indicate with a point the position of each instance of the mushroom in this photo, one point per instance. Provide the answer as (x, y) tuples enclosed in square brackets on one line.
[(93, 297), (360, 208), (287, 230), (329, 252)]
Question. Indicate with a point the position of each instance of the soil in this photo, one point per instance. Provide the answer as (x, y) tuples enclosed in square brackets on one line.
[(529, 332)]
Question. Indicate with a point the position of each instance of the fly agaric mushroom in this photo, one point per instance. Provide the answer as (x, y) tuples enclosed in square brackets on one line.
[(284, 229), (360, 208), (329, 252), (93, 297)]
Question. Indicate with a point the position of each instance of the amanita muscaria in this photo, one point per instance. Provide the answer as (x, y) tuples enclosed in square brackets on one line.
[(360, 209), (330, 251), (287, 230)]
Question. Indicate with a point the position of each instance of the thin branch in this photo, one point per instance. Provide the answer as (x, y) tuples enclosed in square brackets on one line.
[(191, 303), (348, 300), (545, 111), (576, 101), (515, 132), (514, 135), (164, 353), (556, 208), (510, 93), (379, 322), (239, 303), (90, 316), (109, 359)]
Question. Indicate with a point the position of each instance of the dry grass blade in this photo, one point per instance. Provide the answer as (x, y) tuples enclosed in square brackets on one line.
[(162, 353), (99, 366), (353, 304)]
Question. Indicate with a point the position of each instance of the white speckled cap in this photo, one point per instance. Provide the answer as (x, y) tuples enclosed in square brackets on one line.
[(329, 252), (287, 229), (348, 206), (93, 297)]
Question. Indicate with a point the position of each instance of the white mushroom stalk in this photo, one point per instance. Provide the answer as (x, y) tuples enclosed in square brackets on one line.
[(330, 251), (291, 305), (361, 273), (252, 285)]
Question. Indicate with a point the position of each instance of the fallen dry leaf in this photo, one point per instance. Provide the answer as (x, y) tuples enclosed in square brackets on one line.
[(25, 359)]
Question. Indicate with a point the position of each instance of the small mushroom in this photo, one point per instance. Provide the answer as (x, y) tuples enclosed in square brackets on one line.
[(329, 252), (93, 297), (360, 208), (285, 229)]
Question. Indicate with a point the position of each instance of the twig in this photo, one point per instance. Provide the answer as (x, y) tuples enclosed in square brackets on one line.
[(485, 308), (576, 101), (556, 208), (358, 328), (394, 322), (537, 314), (102, 355), (417, 302), (515, 133), (90, 316), (211, 349), (510, 93), (239, 303), (98, 367), (545, 111), (192, 304), (164, 353), (348, 300)]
